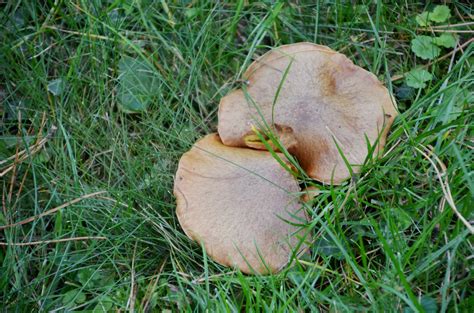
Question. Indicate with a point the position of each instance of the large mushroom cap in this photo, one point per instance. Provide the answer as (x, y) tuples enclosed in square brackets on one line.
[(238, 203), (325, 101)]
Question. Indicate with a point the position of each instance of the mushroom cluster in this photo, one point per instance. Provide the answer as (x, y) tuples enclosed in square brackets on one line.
[(234, 196)]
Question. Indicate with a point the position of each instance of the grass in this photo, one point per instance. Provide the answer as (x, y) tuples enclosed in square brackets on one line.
[(388, 240)]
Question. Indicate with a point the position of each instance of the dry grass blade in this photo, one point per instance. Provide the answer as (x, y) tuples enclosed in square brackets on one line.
[(448, 31), (453, 25), (25, 153), (133, 286), (151, 288), (445, 186), (31, 219), (32, 243), (93, 36)]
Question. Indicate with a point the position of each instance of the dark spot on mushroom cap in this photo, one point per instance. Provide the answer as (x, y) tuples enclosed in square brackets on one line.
[(325, 99)]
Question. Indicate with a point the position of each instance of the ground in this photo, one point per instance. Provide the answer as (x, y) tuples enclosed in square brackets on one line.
[(101, 98)]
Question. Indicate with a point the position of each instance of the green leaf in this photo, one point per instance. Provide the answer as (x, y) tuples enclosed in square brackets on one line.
[(69, 296), (402, 218), (446, 40), (296, 277), (57, 86), (440, 14), (466, 303), (74, 296), (2, 219), (191, 12), (58, 224), (136, 84), (417, 78), (429, 305), (42, 157), (80, 298), (424, 47), (105, 305), (89, 277), (404, 92), (454, 100), (422, 19), (9, 142), (84, 276), (324, 245)]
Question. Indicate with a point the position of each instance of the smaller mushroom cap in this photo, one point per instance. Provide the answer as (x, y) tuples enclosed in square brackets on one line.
[(241, 204), (325, 105)]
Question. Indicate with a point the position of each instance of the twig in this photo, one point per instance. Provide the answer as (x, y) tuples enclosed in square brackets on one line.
[(31, 219), (447, 31), (454, 25), (445, 187), (32, 243)]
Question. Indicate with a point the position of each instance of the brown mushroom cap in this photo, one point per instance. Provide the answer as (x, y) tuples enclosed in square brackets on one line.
[(325, 99), (238, 203)]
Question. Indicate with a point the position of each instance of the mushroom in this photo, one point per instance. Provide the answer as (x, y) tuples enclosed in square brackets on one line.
[(317, 102), (240, 204)]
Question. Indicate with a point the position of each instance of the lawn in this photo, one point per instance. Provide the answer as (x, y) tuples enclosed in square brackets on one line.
[(99, 100)]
